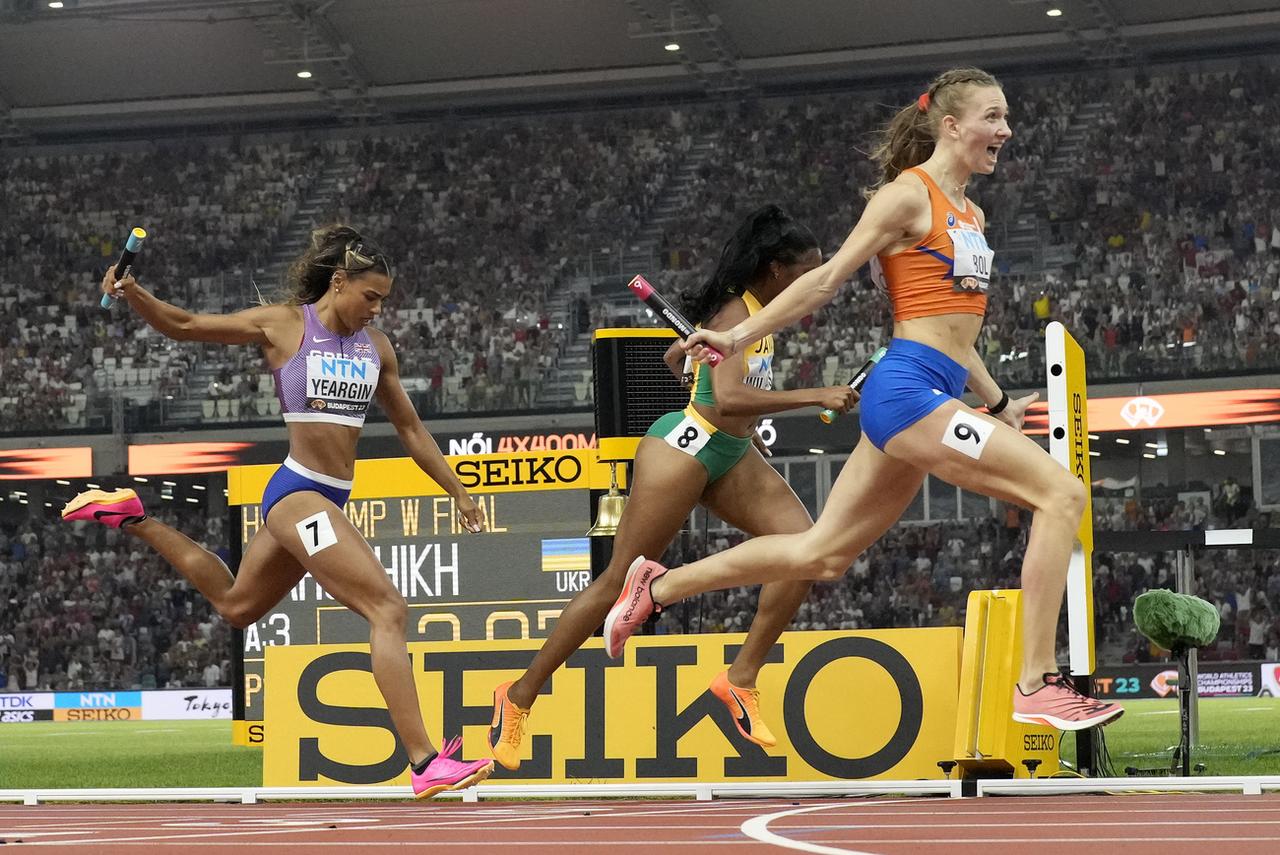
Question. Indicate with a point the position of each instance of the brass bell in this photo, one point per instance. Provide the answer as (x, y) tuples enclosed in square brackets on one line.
[(612, 504)]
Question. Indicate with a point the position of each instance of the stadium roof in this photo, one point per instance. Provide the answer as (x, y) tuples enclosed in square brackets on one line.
[(131, 65)]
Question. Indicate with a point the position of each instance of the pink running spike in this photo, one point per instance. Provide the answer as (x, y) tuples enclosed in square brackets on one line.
[(109, 508), (444, 773), (1059, 704), (635, 604)]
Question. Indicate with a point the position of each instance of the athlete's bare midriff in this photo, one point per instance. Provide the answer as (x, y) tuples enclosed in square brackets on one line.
[(741, 426), (953, 334), (324, 448)]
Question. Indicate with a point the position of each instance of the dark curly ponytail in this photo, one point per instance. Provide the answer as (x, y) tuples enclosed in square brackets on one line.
[(308, 276), (767, 234)]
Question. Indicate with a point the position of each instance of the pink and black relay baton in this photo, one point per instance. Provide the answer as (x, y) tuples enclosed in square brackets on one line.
[(669, 313)]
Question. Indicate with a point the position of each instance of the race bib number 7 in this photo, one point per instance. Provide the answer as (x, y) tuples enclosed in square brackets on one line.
[(972, 260), (316, 532)]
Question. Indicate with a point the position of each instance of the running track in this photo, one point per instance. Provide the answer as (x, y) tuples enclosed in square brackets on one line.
[(1053, 825)]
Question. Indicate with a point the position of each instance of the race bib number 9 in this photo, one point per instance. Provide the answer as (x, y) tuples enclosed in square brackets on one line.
[(972, 260), (968, 434), (688, 436)]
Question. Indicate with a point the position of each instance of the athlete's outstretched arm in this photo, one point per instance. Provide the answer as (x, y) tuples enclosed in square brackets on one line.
[(420, 444), (734, 397), (887, 218), (252, 326)]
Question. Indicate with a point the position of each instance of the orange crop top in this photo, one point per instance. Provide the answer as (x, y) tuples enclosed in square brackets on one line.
[(946, 273)]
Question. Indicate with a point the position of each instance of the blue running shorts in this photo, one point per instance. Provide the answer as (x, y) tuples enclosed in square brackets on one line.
[(293, 477), (910, 381)]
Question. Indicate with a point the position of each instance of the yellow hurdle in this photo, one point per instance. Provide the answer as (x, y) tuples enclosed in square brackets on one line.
[(988, 740)]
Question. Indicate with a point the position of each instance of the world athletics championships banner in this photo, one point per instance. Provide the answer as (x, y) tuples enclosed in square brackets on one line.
[(844, 705)]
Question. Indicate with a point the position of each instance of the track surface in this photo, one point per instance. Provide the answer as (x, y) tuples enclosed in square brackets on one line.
[(1047, 825)]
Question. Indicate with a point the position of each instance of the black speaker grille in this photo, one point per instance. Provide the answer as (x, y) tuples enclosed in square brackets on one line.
[(633, 386)]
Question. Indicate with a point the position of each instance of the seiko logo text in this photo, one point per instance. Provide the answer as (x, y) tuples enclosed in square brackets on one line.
[(548, 469)]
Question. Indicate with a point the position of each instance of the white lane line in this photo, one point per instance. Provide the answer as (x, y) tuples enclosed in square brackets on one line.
[(1037, 841), (541, 817), (89, 825), (252, 827), (569, 845), (631, 842), (757, 828), (1012, 811), (259, 822), (426, 824), (1119, 824), (10, 835), (1255, 709)]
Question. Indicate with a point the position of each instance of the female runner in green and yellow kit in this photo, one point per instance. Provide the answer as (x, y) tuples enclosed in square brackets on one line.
[(703, 455)]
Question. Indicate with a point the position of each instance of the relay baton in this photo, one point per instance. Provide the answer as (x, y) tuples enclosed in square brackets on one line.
[(131, 248), (669, 313), (829, 416)]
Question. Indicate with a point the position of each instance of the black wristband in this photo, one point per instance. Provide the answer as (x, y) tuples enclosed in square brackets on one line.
[(998, 407)]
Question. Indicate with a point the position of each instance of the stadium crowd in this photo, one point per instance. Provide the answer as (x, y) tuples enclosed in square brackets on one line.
[(1154, 250), (215, 210), (84, 607), (1165, 219), (1173, 219), (1160, 252)]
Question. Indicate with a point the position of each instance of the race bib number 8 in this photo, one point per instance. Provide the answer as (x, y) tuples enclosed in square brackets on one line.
[(972, 260), (688, 436)]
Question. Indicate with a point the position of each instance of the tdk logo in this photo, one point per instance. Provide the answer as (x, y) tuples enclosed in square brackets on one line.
[(16, 702)]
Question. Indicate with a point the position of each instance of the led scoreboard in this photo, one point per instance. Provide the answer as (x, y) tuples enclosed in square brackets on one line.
[(510, 581)]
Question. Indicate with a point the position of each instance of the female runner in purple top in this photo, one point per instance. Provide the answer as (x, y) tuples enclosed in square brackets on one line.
[(328, 365)]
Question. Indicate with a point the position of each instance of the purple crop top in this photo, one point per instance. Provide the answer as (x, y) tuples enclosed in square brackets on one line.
[(331, 378)]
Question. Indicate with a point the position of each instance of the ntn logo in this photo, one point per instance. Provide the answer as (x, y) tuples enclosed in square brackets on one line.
[(98, 699)]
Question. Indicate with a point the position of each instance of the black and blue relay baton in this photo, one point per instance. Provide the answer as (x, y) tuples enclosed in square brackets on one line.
[(131, 248)]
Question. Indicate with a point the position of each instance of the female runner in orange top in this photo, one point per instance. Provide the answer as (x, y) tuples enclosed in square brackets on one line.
[(925, 240)]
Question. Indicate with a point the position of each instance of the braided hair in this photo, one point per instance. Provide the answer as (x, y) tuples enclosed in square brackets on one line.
[(910, 136)]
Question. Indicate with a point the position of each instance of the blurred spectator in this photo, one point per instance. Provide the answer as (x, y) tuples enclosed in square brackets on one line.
[(1156, 239), (86, 608)]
